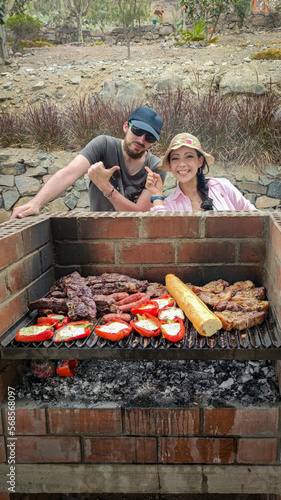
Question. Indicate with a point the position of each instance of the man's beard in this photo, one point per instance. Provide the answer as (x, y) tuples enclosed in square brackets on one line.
[(132, 154)]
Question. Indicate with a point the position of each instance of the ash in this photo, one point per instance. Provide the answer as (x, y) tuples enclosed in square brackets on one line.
[(156, 384)]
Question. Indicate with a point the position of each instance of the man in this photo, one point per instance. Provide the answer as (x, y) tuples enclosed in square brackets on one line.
[(116, 169)]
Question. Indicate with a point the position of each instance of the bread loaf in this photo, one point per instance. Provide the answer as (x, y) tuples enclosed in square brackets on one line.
[(203, 320)]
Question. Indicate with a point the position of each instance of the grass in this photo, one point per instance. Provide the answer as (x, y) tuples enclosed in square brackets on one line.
[(244, 129)]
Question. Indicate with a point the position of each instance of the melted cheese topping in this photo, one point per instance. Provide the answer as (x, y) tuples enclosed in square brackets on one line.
[(114, 327), (172, 328), (172, 313), (148, 324), (70, 331), (33, 330), (162, 302)]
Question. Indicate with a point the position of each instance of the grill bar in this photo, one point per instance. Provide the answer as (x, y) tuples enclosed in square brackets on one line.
[(260, 342)]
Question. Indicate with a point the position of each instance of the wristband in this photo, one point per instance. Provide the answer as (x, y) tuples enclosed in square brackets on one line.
[(156, 198), (110, 194)]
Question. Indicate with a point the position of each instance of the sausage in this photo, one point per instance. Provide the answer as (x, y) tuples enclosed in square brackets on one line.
[(132, 298), (128, 307), (117, 296), (110, 316)]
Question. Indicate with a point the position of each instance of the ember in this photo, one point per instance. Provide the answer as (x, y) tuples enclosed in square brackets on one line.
[(157, 384)]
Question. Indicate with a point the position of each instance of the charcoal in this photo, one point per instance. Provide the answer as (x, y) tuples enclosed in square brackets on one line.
[(157, 384)]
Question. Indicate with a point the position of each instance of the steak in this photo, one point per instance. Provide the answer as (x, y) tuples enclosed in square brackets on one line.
[(240, 320), (108, 283)]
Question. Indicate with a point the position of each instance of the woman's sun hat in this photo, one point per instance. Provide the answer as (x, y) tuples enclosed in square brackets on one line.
[(184, 140)]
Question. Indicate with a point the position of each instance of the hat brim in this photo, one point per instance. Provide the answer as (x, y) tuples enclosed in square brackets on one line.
[(146, 127), (165, 165)]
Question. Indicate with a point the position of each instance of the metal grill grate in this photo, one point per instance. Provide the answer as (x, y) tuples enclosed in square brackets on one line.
[(259, 342)]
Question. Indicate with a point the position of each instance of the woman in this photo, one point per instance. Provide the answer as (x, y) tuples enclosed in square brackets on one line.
[(187, 161)]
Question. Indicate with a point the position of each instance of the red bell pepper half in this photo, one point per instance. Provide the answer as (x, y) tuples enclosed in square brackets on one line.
[(146, 325), (173, 330), (35, 333), (67, 368), (116, 329), (149, 307), (61, 319), (72, 331), (164, 301), (47, 321)]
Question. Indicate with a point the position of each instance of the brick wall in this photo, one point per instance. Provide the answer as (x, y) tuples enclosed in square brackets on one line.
[(228, 437)]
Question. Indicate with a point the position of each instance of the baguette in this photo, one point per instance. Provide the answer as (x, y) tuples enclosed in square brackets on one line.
[(204, 321)]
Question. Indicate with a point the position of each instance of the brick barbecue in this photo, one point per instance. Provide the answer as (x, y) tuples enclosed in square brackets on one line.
[(111, 450)]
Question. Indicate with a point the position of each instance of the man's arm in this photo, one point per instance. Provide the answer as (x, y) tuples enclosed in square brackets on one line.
[(60, 181), (100, 176)]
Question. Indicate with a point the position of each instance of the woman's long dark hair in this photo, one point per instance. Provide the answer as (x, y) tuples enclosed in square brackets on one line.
[(207, 202)]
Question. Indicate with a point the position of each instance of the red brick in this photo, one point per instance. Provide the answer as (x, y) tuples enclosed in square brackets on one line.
[(3, 291), (157, 422), (170, 226), (29, 421), (2, 449), (278, 279), (185, 273), (75, 253), (9, 377), (11, 249), (232, 273), (146, 253), (1, 424), (234, 226), (121, 450), (207, 251), (108, 227), (254, 251), (241, 422), (12, 310), (83, 421), (23, 272), (36, 235), (275, 238), (46, 449), (271, 261), (196, 450), (257, 451), (4, 496)]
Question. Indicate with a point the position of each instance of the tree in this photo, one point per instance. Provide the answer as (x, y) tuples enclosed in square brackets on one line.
[(129, 11), (79, 9), (206, 10)]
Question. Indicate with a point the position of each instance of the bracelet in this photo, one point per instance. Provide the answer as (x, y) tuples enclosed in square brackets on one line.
[(110, 194), (156, 198)]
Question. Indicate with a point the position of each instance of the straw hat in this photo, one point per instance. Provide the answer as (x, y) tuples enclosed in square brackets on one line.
[(184, 140)]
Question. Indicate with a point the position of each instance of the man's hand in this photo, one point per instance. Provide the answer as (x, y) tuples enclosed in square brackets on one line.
[(101, 176), (24, 211), (154, 183)]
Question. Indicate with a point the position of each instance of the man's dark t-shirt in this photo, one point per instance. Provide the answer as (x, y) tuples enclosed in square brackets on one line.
[(109, 150)]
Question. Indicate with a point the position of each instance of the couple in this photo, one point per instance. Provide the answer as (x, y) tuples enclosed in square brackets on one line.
[(125, 176)]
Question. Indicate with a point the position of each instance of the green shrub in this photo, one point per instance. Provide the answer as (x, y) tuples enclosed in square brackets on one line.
[(23, 27)]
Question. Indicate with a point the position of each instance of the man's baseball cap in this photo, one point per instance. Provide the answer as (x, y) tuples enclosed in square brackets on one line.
[(147, 119)]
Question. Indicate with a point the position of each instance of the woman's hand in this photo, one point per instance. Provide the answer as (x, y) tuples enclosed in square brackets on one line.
[(154, 183)]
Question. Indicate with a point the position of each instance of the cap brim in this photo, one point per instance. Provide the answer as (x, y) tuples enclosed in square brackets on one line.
[(146, 127)]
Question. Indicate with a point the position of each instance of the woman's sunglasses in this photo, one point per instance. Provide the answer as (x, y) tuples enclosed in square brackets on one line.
[(139, 132)]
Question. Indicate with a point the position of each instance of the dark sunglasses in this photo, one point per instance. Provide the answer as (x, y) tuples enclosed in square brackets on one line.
[(139, 132)]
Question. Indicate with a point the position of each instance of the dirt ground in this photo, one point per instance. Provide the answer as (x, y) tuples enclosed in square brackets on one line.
[(54, 67)]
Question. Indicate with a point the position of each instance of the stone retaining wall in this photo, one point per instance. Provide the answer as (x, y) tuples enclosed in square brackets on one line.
[(24, 171), (155, 32)]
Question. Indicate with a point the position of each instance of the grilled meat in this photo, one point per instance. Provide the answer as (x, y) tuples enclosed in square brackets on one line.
[(240, 320), (108, 283), (156, 290), (51, 303)]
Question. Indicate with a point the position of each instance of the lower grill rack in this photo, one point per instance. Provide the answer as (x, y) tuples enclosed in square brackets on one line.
[(256, 343)]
